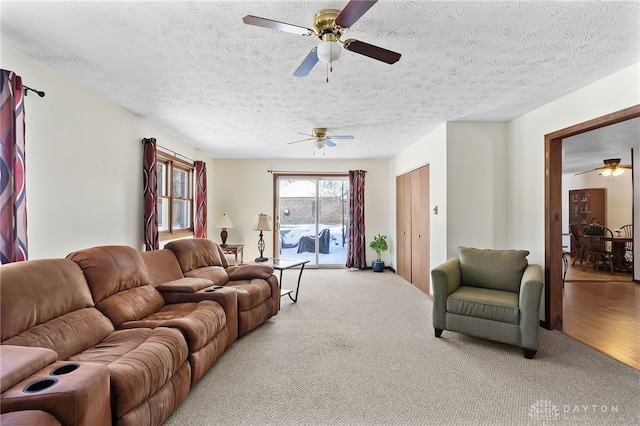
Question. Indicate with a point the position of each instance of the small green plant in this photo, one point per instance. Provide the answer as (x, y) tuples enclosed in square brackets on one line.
[(379, 244)]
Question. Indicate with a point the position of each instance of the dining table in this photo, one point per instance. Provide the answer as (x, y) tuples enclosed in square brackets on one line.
[(618, 248)]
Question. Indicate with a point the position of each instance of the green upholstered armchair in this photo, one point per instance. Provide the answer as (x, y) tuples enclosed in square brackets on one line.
[(491, 294)]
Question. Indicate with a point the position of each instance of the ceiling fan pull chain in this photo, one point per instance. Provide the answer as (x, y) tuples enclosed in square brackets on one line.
[(327, 80)]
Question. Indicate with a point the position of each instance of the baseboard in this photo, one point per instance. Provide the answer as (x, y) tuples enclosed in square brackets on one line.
[(387, 268)]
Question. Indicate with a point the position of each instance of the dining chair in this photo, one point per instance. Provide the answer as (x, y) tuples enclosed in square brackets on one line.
[(598, 241), (627, 232), (577, 245)]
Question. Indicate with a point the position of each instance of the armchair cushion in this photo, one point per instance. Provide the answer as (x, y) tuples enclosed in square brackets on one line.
[(485, 303), (492, 269)]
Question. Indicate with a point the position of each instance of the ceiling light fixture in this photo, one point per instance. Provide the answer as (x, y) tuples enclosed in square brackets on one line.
[(329, 50), (616, 171)]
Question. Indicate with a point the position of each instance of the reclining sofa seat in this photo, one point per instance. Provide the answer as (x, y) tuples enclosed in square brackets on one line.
[(122, 291), (257, 287), (165, 275), (491, 294), (47, 303)]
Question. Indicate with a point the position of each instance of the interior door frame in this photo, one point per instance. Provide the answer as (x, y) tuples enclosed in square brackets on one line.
[(553, 208)]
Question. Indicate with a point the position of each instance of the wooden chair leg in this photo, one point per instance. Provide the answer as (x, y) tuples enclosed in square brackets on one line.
[(611, 264)]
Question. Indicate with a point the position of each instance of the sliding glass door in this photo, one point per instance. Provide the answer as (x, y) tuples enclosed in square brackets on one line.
[(311, 219)]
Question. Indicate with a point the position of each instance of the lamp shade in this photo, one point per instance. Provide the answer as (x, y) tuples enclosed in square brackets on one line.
[(224, 222), (615, 171), (329, 51), (262, 223)]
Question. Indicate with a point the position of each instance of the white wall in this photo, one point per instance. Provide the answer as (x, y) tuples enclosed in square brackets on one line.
[(84, 164), (477, 186), (467, 184), (526, 150), (244, 188)]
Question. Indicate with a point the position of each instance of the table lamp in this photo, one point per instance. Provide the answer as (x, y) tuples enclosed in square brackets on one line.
[(224, 222), (261, 224)]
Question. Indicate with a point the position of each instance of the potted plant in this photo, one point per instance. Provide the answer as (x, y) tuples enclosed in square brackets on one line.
[(379, 245)]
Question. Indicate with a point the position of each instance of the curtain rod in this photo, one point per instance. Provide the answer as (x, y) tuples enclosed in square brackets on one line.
[(27, 88), (308, 172), (175, 153)]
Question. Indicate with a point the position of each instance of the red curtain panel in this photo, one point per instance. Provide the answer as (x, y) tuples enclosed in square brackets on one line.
[(356, 248), (13, 201), (150, 194), (200, 216)]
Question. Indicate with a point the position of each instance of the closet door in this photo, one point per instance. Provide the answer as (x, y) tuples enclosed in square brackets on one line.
[(420, 270), (403, 225)]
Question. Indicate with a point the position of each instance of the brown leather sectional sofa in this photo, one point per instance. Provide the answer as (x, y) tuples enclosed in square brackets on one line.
[(110, 335)]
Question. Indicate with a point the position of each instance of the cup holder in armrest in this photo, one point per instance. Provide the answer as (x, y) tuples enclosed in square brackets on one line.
[(65, 369), (40, 385), (212, 289)]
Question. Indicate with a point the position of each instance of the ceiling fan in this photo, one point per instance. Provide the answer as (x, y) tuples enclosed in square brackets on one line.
[(612, 167), (321, 138), (328, 26)]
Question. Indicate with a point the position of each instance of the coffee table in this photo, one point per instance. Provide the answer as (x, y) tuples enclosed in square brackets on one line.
[(280, 265)]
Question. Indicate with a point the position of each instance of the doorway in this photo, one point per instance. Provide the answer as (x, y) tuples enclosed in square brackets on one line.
[(553, 209), (311, 218)]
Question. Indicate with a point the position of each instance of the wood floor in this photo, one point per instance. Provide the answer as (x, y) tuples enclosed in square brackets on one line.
[(603, 311)]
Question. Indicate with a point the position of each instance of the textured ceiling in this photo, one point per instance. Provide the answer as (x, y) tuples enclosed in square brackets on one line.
[(195, 70), (587, 151)]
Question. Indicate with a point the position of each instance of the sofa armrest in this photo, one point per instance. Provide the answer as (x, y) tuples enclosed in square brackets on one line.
[(529, 303), (185, 285), (75, 393), (445, 279), (248, 272), (19, 362)]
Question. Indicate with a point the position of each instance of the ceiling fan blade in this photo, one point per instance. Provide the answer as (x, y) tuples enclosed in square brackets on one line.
[(327, 142), (307, 65), (301, 140), (372, 51), (340, 137), (587, 171), (353, 11), (276, 25)]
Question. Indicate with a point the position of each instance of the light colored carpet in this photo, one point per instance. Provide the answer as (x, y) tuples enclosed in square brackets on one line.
[(358, 349)]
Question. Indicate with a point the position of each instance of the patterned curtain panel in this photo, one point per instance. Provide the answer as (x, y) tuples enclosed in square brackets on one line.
[(150, 194), (13, 201), (200, 217), (356, 249)]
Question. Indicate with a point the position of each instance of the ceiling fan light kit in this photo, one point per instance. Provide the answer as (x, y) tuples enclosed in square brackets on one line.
[(329, 51), (328, 26), (612, 167), (610, 172)]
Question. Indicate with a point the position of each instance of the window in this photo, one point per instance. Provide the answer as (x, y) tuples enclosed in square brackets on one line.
[(175, 196)]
